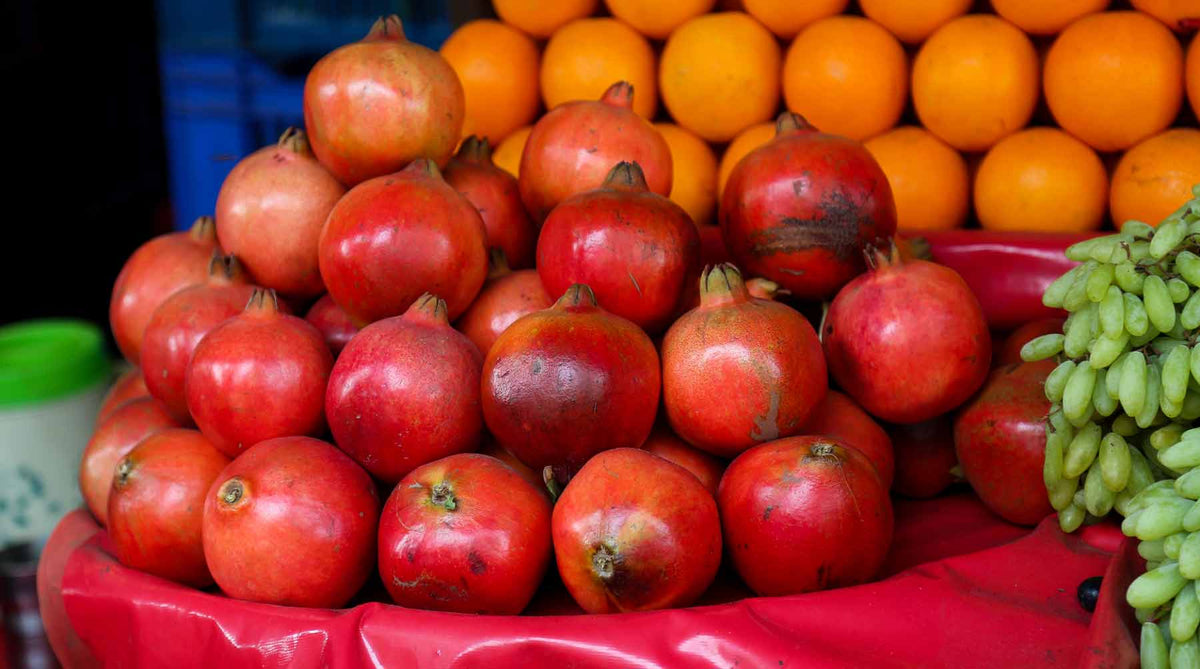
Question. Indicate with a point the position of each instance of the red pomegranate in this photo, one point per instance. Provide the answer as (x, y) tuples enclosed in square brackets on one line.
[(333, 323), (633, 532), (393, 238), (291, 521), (800, 209), (465, 534), (838, 417), (156, 507), (258, 375), (113, 439), (706, 468), (925, 458), (907, 340), (712, 245), (505, 297), (1000, 440), (495, 194), (373, 106), (157, 269), (638, 251), (573, 147), (739, 371), (536, 479), (563, 384), (1008, 351), (804, 514), (405, 392), (179, 324), (129, 386), (270, 211)]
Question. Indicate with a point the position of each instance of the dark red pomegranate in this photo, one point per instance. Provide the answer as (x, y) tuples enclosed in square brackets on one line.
[(291, 521), (801, 209), (505, 297), (179, 324), (373, 106), (393, 238), (1000, 440), (270, 211), (925, 458), (573, 147), (639, 251), (1008, 352), (156, 508), (804, 514), (633, 532), (712, 245), (129, 386), (563, 384), (907, 340), (405, 392), (466, 534), (495, 194), (333, 323), (838, 417), (258, 375), (113, 439), (738, 371), (156, 270), (706, 468)]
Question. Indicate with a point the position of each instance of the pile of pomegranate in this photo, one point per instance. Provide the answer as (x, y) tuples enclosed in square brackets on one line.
[(383, 358)]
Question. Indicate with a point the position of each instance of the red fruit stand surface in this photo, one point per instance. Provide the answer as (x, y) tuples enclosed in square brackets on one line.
[(961, 588)]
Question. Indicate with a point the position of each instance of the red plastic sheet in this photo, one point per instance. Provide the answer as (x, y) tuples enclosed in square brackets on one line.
[(961, 589)]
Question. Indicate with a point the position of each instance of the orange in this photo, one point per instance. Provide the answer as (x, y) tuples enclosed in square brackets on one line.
[(1114, 79), (1046, 17), (587, 56), (912, 21), (540, 18), (929, 179), (498, 67), (847, 76), (750, 139), (975, 81), (507, 156), (719, 74), (1192, 74), (694, 185), (1156, 177), (786, 18), (657, 19), (1170, 12), (1041, 179)]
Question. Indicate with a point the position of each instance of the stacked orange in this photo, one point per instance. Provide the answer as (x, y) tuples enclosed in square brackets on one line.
[(713, 80)]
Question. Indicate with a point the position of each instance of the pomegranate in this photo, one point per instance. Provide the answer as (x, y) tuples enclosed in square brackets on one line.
[(332, 322), (712, 245), (563, 384), (495, 194), (633, 532), (1009, 351), (405, 392), (506, 297), (270, 211), (258, 375), (838, 417), (800, 209), (157, 505), (804, 514), (738, 371), (179, 324), (536, 479), (372, 107), (908, 340), (639, 251), (573, 147), (113, 439), (466, 534), (706, 468), (291, 521), (925, 458), (393, 238), (1000, 440), (157, 269), (129, 386)]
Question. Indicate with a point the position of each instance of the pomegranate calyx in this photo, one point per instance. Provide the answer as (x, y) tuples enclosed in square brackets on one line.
[(476, 150), (441, 495), (882, 254), (263, 301), (204, 230), (497, 264), (619, 94), (424, 166), (605, 562), (231, 492), (721, 284), (123, 472), (224, 269), (293, 139), (386, 28), (791, 122), (429, 308), (578, 295), (626, 176)]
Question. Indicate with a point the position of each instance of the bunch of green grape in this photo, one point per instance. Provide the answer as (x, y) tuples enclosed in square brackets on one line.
[(1124, 398)]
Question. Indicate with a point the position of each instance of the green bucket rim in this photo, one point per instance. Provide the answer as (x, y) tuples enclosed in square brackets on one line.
[(49, 359)]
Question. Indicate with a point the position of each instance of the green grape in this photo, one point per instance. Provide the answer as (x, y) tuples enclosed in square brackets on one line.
[(1166, 237), (1187, 265), (1137, 323), (1155, 587), (1115, 463), (1070, 518), (1133, 383), (1191, 406), (1081, 251), (1142, 340), (1056, 382), (1105, 405), (1191, 519), (1165, 344), (1099, 281), (1052, 463), (1079, 335), (1045, 346), (1126, 276), (1106, 350), (1189, 556), (1194, 363), (1132, 516), (1056, 292), (1188, 485), (1160, 472), (1178, 289), (1077, 395), (1154, 648), (1185, 612), (1137, 229), (1098, 499), (1153, 389), (1082, 450), (1188, 435), (1105, 246), (1152, 550), (1140, 476), (1159, 307), (1125, 426), (1166, 436), (1076, 297), (1175, 374), (1185, 654), (1063, 493), (1181, 456), (1112, 378), (1158, 492), (1177, 331), (1112, 312), (1162, 519), (1189, 316), (1172, 544)]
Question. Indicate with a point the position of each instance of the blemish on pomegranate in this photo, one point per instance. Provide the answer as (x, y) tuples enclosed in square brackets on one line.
[(476, 563)]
